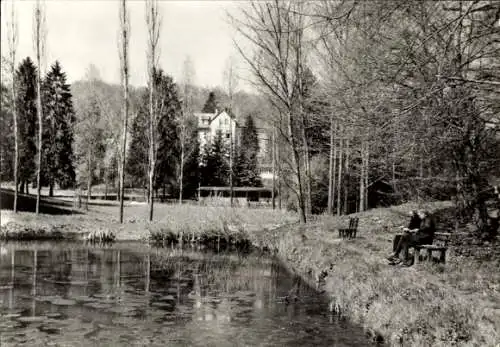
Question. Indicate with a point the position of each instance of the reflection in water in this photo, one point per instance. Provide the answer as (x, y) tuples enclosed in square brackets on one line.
[(71, 294)]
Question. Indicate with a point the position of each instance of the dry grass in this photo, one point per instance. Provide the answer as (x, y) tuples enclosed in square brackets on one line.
[(457, 303), (177, 219), (440, 305)]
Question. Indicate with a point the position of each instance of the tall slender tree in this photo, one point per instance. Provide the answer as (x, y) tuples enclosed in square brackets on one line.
[(27, 112), (12, 32), (183, 120), (275, 32), (39, 38), (124, 38), (231, 83), (153, 23)]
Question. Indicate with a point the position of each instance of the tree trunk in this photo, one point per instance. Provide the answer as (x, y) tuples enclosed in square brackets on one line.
[(106, 184), (89, 178), (362, 179), (330, 169), (296, 164), (273, 159), (231, 192), (280, 204), (51, 188), (181, 173), (151, 193), (339, 178), (346, 184), (124, 55), (16, 138), (307, 167), (367, 171), (40, 132)]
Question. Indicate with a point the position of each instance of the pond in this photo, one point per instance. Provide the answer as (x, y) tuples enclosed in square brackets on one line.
[(68, 294)]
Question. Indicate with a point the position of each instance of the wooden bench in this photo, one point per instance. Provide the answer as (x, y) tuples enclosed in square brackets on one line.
[(440, 245), (351, 231)]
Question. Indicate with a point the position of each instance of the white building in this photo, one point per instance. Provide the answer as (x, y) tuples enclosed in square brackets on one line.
[(211, 123)]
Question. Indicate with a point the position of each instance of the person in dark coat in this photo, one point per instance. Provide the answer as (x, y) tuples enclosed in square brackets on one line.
[(423, 235), (412, 226)]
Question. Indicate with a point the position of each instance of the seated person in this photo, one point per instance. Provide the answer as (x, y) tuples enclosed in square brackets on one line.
[(414, 221), (414, 224), (423, 235)]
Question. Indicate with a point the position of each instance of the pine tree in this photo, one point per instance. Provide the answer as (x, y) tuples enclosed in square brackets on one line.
[(58, 134), (26, 108), (246, 170), (215, 169), (211, 104), (7, 138), (168, 108), (137, 159)]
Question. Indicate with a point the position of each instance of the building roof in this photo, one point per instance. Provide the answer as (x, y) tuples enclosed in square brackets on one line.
[(211, 117), (229, 113)]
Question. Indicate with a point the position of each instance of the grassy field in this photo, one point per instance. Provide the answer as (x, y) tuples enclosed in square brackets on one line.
[(191, 219), (457, 303)]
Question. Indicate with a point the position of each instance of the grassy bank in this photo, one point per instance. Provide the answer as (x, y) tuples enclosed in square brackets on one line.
[(170, 222), (457, 303)]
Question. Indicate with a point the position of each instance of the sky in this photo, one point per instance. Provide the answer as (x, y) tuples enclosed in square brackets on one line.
[(83, 32)]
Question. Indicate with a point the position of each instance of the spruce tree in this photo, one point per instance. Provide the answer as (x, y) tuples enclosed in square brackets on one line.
[(168, 108), (58, 130), (7, 138), (27, 121), (137, 159), (215, 168), (246, 166), (211, 104)]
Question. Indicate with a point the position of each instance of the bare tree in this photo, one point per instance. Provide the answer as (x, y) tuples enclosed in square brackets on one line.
[(12, 41), (124, 38), (274, 30), (231, 83), (39, 37), (153, 23), (187, 110)]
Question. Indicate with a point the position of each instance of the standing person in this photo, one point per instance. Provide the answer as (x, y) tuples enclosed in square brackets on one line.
[(421, 236)]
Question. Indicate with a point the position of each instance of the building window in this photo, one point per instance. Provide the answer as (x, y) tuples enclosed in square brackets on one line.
[(226, 121), (228, 136)]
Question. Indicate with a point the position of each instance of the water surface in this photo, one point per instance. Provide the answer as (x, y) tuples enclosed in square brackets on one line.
[(68, 294)]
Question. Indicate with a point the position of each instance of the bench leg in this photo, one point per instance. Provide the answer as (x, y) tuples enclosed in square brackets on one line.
[(442, 257), (416, 255)]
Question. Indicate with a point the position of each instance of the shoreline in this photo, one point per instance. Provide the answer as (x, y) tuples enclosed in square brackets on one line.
[(427, 304)]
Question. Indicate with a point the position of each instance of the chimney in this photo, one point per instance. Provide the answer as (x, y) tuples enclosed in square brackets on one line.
[(216, 111)]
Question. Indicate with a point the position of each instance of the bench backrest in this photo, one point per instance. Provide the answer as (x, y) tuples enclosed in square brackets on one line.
[(442, 238), (353, 223)]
